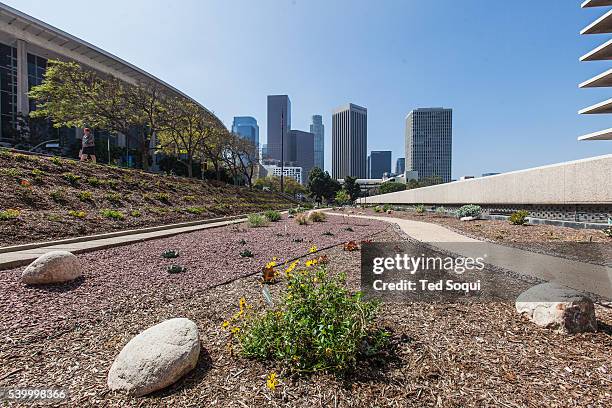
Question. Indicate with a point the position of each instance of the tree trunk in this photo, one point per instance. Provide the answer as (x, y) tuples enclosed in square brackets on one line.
[(190, 167), (144, 152)]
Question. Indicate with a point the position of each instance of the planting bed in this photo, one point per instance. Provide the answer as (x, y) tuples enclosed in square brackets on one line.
[(468, 354), (57, 198)]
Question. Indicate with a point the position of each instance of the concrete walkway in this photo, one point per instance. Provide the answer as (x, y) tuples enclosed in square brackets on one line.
[(578, 275), (24, 254)]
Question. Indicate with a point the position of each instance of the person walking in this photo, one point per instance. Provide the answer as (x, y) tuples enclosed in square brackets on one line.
[(88, 146)]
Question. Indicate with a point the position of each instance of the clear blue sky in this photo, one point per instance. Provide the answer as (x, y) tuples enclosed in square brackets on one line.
[(508, 69)]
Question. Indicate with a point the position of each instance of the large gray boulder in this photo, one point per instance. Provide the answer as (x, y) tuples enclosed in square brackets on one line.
[(558, 307), (52, 267), (156, 358)]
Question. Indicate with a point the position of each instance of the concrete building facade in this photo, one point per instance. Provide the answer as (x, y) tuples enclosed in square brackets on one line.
[(279, 124), (429, 142), (379, 163), (318, 130), (247, 128), (294, 172), (27, 44), (349, 142)]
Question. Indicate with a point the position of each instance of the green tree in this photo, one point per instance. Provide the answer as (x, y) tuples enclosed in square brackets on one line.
[(321, 185), (272, 183), (391, 187), (351, 187), (343, 197)]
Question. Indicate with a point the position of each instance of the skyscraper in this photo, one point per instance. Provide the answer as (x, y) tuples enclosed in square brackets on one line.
[(379, 163), (247, 128), (302, 154), (318, 130), (349, 141), (279, 123), (429, 142), (400, 166)]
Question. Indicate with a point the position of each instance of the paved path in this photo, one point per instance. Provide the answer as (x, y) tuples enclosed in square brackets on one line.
[(24, 254), (578, 275)]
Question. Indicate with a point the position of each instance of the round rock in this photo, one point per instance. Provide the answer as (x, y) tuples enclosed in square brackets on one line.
[(52, 267), (558, 307), (156, 358)]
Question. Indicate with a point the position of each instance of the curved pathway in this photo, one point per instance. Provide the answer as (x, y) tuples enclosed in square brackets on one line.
[(583, 276)]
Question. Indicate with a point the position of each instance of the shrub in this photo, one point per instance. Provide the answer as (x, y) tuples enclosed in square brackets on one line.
[(71, 178), (163, 197), (608, 232), (317, 216), (54, 217), (293, 211), (318, 326), (56, 160), (420, 209), (58, 195), (11, 172), (9, 214), (391, 187), (113, 197), (440, 210), (37, 174), (77, 214), (308, 206), (189, 198), (94, 181), (135, 213), (112, 214), (272, 215), (246, 254), (85, 196), (469, 210), (386, 207), (301, 219), (342, 197), (378, 209), (519, 217), (195, 210), (257, 220), (25, 157), (112, 184)]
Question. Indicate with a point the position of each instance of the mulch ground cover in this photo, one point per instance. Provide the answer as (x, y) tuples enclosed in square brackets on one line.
[(57, 198), (586, 245), (441, 355)]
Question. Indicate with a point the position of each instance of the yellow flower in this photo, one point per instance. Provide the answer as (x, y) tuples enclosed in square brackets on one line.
[(271, 382), (225, 324), (313, 249), (235, 330), (328, 352), (311, 262), (271, 264), (291, 267), (242, 304)]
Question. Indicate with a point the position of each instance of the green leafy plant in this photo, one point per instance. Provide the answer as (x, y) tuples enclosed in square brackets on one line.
[(378, 209), (317, 216), (77, 214), (94, 181), (54, 217), (386, 207), (189, 198), (342, 197), (135, 213), (176, 269), (608, 232), (293, 211), (162, 197), (10, 171), (170, 254), (112, 214), (56, 160), (420, 209), (195, 210), (25, 157), (114, 198), (112, 183), (9, 214), (257, 220), (440, 210), (308, 206), (272, 215), (319, 325), (38, 175), (469, 210), (71, 178), (519, 217), (246, 253), (242, 241), (85, 196), (58, 195)]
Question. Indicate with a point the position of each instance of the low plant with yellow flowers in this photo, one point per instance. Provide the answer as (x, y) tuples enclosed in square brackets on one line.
[(318, 325)]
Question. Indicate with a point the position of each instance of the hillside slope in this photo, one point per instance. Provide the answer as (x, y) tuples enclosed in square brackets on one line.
[(50, 198)]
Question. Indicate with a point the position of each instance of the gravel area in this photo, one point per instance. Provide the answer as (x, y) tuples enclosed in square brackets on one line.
[(443, 355), (585, 245)]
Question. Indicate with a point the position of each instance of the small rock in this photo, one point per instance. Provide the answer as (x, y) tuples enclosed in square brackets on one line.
[(156, 358), (557, 307), (468, 218), (52, 267), (389, 211)]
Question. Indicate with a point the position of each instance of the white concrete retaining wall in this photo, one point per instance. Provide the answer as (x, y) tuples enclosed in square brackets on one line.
[(587, 181)]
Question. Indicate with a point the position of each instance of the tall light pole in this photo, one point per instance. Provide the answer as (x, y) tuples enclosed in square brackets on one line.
[(282, 177)]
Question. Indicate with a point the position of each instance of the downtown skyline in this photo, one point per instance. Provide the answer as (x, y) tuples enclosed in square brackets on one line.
[(534, 104)]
